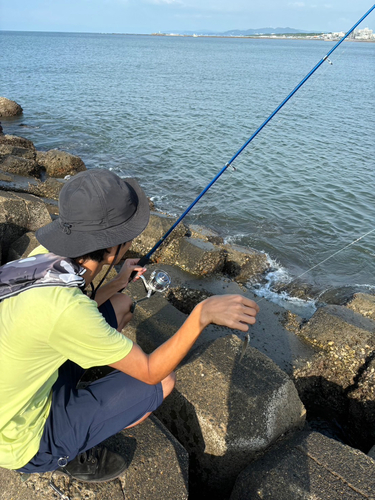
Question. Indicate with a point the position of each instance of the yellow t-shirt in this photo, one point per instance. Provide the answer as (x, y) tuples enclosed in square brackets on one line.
[(40, 329)]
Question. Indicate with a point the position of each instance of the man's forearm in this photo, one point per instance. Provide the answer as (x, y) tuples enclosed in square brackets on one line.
[(167, 357), (233, 311), (107, 291), (153, 368)]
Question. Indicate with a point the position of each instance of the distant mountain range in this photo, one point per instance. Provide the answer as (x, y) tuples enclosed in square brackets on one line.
[(249, 32)]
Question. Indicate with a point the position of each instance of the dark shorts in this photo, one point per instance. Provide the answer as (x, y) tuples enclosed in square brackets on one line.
[(82, 418)]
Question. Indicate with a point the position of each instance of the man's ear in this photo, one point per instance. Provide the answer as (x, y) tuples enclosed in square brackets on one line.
[(112, 250)]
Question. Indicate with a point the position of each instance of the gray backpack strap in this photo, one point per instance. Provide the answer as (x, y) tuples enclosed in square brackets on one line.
[(40, 270)]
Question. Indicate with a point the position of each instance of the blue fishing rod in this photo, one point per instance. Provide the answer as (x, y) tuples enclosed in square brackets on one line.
[(146, 258)]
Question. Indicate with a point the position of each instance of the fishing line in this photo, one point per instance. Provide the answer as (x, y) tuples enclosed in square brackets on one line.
[(322, 262), (146, 258)]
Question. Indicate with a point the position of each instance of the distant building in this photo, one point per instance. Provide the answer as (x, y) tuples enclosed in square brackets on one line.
[(363, 34), (334, 36)]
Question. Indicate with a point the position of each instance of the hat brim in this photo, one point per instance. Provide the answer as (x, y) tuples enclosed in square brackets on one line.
[(79, 243)]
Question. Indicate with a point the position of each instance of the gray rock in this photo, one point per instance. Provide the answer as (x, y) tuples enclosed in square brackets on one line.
[(185, 299), (156, 319), (245, 265), (308, 467), (157, 227), (338, 382), (23, 246), (9, 108), (18, 165), (227, 413), (17, 156), (205, 233), (8, 149), (363, 304), (159, 465), (19, 214), (15, 141), (50, 188), (202, 253), (345, 339), (59, 163), (195, 256)]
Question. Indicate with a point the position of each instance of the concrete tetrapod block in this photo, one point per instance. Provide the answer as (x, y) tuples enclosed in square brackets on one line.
[(226, 413), (363, 304), (195, 256), (157, 470), (22, 247), (159, 464), (345, 340), (20, 213), (337, 383), (157, 227), (308, 467)]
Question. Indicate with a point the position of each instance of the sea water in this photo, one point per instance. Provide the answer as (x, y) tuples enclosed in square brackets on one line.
[(172, 111)]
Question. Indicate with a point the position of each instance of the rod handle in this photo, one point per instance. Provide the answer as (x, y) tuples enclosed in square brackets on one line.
[(143, 261)]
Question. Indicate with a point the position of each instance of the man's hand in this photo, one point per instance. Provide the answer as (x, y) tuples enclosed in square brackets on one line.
[(234, 311), (128, 267)]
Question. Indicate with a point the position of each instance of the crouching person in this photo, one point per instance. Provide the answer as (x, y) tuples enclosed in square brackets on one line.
[(51, 332)]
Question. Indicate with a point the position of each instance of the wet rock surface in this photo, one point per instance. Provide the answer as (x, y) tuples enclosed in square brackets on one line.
[(245, 265), (185, 299)]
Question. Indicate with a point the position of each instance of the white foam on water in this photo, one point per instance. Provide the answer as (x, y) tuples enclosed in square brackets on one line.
[(279, 275), (234, 239)]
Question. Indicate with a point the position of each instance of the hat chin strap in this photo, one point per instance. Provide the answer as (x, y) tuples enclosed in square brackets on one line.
[(93, 289)]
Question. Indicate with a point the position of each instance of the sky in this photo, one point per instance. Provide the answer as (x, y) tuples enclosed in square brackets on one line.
[(152, 16)]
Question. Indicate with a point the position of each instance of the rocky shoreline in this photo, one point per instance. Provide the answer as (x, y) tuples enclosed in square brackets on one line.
[(293, 418)]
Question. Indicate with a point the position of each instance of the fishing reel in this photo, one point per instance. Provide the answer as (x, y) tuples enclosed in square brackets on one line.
[(159, 281)]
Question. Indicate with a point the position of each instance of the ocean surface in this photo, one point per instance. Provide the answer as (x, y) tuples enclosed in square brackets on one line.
[(172, 111)]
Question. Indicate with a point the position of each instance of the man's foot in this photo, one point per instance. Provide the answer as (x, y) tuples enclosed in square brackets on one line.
[(95, 465)]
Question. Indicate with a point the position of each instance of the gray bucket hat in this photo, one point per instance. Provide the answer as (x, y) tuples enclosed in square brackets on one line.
[(97, 209)]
